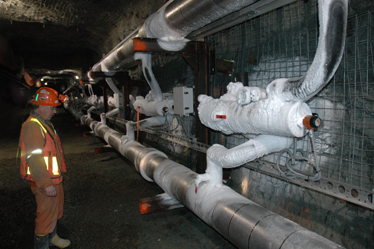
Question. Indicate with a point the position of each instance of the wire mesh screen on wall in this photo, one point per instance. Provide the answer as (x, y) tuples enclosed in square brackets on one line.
[(282, 44)]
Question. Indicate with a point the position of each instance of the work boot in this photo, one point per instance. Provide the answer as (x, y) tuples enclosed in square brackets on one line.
[(41, 242), (55, 240), (60, 243)]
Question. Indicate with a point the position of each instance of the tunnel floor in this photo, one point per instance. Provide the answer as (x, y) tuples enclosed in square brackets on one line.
[(102, 192)]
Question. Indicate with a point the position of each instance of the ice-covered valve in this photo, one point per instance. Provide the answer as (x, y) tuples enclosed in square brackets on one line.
[(312, 122)]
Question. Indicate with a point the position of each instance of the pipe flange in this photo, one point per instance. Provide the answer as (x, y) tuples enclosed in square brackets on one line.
[(142, 163)]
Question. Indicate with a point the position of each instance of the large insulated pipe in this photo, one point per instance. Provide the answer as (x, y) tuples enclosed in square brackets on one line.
[(264, 117), (332, 15), (173, 21), (241, 221)]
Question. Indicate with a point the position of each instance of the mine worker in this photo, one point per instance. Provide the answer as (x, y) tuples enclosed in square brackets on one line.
[(42, 161)]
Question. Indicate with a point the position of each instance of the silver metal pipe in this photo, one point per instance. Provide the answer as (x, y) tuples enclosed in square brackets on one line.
[(241, 221), (185, 16), (332, 16), (176, 18)]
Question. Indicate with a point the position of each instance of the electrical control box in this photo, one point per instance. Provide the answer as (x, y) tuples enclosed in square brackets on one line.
[(183, 100)]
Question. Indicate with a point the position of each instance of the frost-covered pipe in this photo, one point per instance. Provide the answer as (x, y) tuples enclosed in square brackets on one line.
[(151, 108), (90, 110), (185, 16), (241, 221), (170, 24), (267, 116), (246, 110), (148, 122), (111, 113), (148, 74), (331, 42), (154, 103), (219, 157)]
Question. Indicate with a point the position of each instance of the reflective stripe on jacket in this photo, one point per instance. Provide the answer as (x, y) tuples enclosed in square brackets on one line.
[(52, 153)]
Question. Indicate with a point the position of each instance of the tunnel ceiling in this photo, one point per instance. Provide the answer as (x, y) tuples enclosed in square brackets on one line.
[(61, 34)]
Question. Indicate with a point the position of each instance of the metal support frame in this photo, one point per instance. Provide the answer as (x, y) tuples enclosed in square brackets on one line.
[(201, 83), (105, 96), (126, 99), (341, 190), (199, 61)]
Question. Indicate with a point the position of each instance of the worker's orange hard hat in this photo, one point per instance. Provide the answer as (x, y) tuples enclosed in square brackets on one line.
[(46, 96)]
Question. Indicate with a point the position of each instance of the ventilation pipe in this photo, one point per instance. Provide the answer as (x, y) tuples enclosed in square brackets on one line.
[(331, 42), (170, 25), (241, 221)]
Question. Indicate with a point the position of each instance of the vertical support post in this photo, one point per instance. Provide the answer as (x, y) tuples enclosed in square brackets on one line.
[(242, 77), (126, 88), (126, 100), (201, 83), (105, 97)]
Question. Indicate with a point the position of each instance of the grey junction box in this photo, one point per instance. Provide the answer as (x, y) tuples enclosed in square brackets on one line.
[(183, 100)]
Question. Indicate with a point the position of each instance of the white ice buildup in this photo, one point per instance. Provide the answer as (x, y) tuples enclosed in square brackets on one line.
[(146, 60), (267, 116), (156, 105), (274, 116), (168, 39), (332, 16)]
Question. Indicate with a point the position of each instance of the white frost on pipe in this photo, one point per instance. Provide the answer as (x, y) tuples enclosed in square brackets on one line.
[(149, 122), (247, 95), (272, 117), (156, 105), (168, 39), (112, 112), (246, 110), (148, 73), (89, 111), (332, 15), (281, 111), (219, 157), (150, 107)]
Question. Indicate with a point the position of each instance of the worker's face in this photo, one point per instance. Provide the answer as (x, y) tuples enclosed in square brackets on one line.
[(46, 112)]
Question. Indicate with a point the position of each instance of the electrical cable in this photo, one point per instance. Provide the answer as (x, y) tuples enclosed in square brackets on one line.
[(291, 173)]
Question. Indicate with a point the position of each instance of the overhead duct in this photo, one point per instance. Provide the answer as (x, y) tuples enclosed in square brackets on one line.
[(174, 21), (241, 221), (332, 16)]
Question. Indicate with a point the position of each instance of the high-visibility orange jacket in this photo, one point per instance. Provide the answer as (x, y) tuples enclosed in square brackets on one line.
[(53, 162)]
